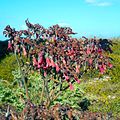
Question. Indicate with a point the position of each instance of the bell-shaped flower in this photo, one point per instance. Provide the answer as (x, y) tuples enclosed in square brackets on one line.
[(90, 61), (52, 63), (57, 68), (71, 86), (110, 65), (9, 45), (35, 63), (48, 62), (64, 62), (24, 51), (88, 51), (99, 50), (104, 66), (77, 68), (66, 77), (40, 58), (38, 66), (102, 70), (45, 74), (77, 80)]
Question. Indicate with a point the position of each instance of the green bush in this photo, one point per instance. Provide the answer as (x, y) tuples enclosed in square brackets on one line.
[(9, 95), (7, 65)]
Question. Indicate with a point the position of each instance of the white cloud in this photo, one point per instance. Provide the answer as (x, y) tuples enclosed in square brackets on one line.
[(100, 3)]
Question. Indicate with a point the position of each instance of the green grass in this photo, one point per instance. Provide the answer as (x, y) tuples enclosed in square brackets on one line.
[(7, 65)]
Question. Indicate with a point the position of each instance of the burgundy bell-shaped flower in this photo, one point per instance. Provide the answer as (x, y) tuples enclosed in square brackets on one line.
[(71, 86)]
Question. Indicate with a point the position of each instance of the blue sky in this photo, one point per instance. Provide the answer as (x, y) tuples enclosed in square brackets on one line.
[(87, 17)]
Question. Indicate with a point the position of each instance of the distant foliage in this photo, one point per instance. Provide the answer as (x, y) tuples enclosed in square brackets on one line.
[(7, 65)]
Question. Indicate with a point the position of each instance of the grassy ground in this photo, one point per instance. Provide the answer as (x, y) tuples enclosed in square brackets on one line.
[(104, 93)]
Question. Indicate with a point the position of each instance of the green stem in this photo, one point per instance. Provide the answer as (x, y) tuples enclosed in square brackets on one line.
[(23, 77), (42, 94), (46, 91)]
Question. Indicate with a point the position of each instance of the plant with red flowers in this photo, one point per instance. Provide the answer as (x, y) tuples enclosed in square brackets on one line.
[(55, 55)]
